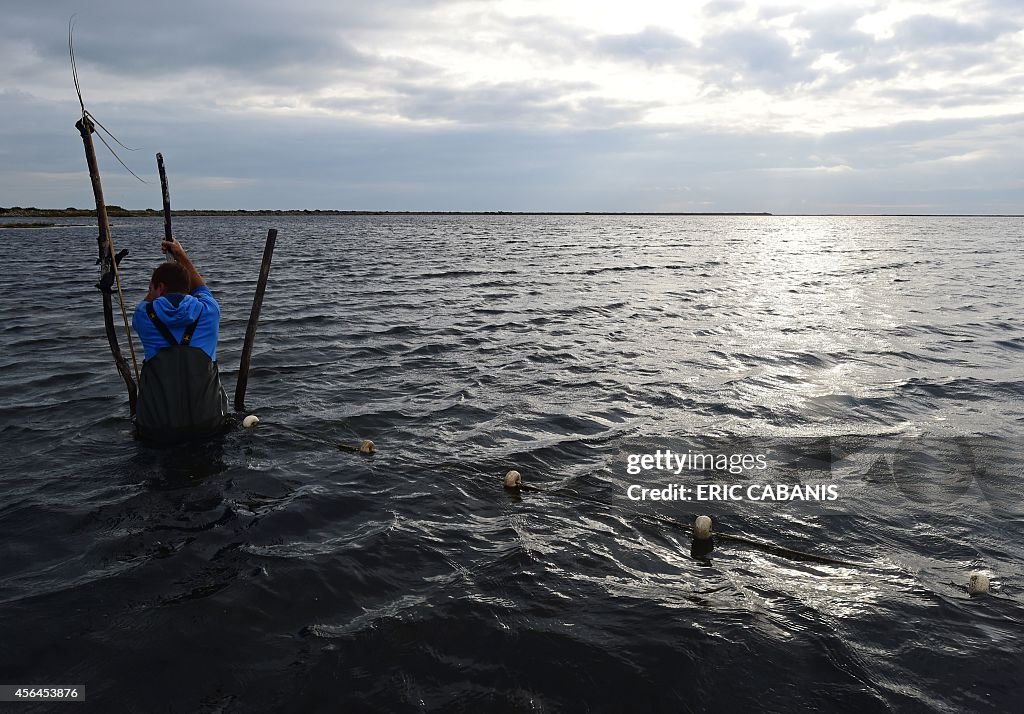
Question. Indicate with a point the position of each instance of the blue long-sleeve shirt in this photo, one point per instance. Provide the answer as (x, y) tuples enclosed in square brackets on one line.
[(178, 312)]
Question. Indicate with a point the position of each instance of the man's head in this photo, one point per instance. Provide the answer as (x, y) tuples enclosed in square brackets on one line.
[(168, 278)]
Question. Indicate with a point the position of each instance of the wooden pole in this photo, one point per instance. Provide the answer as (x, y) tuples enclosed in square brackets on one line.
[(167, 200), (254, 317), (106, 261)]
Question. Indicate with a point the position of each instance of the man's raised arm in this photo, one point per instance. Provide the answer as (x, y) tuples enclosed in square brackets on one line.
[(178, 253)]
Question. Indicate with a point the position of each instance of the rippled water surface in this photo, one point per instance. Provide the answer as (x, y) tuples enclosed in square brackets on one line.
[(271, 571)]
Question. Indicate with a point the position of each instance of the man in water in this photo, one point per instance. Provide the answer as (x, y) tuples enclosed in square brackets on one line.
[(180, 394)]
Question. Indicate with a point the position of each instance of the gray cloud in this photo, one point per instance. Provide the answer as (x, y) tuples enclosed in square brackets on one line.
[(956, 95), (301, 44), (1007, 9), (769, 12), (548, 36), (498, 104), (721, 7), (919, 44), (744, 57), (931, 31), (652, 46), (754, 57), (832, 30)]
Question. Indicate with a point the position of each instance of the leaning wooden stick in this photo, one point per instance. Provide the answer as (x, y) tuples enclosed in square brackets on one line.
[(108, 265), (167, 200), (254, 317)]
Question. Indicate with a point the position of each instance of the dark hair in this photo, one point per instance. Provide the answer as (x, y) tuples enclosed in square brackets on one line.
[(173, 276)]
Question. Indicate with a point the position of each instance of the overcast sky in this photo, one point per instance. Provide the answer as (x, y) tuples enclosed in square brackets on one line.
[(551, 105)]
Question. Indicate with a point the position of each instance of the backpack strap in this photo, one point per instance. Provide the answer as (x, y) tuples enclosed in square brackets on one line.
[(161, 326), (187, 337)]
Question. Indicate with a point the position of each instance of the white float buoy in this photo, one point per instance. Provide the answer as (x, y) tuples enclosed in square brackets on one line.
[(513, 479), (978, 584), (250, 421), (702, 528), (367, 448)]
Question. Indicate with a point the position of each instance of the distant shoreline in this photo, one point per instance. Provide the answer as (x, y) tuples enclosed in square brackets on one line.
[(28, 225), (118, 212)]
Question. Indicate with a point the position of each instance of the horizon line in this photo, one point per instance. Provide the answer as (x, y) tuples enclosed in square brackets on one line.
[(120, 212)]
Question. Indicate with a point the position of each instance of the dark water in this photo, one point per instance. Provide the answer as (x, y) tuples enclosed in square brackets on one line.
[(269, 571)]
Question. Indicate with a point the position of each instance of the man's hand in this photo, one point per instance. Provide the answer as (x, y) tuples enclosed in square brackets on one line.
[(173, 247)]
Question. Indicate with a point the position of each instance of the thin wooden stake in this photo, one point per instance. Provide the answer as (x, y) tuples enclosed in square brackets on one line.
[(167, 200), (254, 317)]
